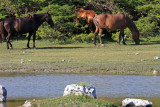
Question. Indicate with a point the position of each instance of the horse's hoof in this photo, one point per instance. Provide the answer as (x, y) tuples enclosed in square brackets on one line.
[(102, 45), (124, 43)]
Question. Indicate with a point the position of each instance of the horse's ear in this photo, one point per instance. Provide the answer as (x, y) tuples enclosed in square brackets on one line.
[(33, 15), (48, 13)]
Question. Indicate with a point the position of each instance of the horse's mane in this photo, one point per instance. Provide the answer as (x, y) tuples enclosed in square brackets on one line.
[(133, 28)]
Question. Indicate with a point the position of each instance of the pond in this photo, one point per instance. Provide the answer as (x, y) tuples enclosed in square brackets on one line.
[(21, 87)]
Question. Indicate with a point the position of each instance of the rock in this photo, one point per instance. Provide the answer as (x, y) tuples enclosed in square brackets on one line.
[(129, 102), (3, 94), (3, 105), (22, 61), (155, 72), (156, 57), (27, 104), (29, 60), (136, 53), (24, 52), (80, 90)]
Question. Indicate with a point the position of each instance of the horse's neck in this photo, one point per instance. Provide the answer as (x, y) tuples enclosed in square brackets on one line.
[(39, 19), (132, 27)]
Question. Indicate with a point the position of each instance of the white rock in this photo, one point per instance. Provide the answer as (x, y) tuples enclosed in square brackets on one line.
[(29, 60), (155, 72), (3, 94), (3, 105), (22, 61), (3, 98), (136, 53), (80, 90), (156, 57), (129, 102), (24, 52), (27, 104)]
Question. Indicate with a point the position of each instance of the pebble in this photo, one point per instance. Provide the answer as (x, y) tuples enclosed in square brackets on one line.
[(156, 57)]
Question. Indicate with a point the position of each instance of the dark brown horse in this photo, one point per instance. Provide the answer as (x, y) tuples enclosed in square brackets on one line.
[(28, 24), (88, 15), (113, 22), (2, 31)]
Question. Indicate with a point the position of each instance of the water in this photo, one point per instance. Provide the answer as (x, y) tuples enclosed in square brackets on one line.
[(115, 86)]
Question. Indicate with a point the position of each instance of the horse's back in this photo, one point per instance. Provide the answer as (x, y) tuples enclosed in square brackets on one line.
[(23, 25), (19, 25), (112, 21)]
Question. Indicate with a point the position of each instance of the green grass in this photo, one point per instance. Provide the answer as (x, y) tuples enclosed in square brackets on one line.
[(72, 101), (82, 57)]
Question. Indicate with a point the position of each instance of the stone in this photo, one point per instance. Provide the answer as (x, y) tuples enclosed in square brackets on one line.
[(3, 94), (27, 104), (129, 102), (136, 53), (156, 57), (155, 72), (63, 60), (22, 61), (3, 105), (80, 90)]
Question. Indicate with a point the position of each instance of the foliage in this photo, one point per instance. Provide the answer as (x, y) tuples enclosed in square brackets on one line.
[(72, 101), (145, 14), (83, 84)]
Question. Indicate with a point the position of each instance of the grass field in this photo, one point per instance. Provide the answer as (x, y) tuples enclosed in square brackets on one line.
[(81, 57)]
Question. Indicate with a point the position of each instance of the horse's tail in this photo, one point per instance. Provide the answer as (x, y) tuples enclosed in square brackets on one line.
[(96, 23), (2, 29)]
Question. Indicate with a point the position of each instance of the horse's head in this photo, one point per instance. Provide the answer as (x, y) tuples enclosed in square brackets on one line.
[(78, 10), (136, 38), (48, 19)]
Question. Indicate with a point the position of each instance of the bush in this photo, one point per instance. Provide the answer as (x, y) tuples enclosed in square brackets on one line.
[(72, 101)]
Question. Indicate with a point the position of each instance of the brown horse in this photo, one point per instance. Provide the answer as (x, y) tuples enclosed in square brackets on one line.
[(29, 25), (113, 22), (88, 15)]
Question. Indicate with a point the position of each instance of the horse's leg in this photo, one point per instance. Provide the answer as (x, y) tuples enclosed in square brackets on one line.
[(34, 38), (122, 34), (10, 44), (99, 35), (119, 39), (2, 37), (90, 27), (7, 41), (9, 31), (95, 34), (29, 37)]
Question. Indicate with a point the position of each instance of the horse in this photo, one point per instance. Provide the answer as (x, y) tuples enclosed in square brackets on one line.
[(2, 31), (88, 15), (114, 22), (29, 24)]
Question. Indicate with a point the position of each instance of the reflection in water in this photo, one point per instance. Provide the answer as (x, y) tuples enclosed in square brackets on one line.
[(3, 104), (45, 86)]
